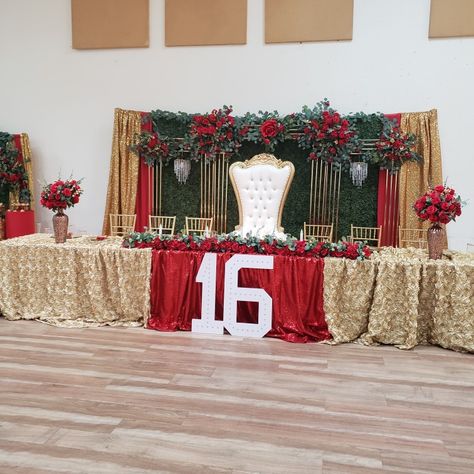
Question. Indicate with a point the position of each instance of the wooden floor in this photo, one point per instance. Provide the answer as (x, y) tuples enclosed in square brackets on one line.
[(111, 400)]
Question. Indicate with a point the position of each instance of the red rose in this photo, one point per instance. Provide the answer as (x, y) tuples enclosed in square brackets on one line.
[(269, 128), (75, 199), (444, 206), (67, 192), (431, 210), (444, 218), (439, 188), (449, 197)]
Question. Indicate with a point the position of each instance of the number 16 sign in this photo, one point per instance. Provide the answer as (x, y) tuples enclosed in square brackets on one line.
[(233, 293)]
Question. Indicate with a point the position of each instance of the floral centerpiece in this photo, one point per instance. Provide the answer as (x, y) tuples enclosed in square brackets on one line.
[(58, 196), (328, 136), (439, 205), (394, 148), (214, 133)]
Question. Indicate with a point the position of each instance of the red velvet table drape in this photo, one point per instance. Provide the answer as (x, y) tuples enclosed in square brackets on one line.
[(295, 285), (388, 212)]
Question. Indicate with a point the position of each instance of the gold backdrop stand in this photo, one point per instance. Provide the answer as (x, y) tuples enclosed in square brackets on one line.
[(324, 194), (214, 187)]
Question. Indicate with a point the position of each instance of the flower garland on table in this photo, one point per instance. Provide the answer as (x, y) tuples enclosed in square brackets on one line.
[(213, 133), (230, 243), (328, 136), (394, 148), (439, 205), (266, 128), (61, 194), (12, 171)]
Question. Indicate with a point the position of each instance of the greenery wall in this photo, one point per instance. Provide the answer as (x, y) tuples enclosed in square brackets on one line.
[(357, 205)]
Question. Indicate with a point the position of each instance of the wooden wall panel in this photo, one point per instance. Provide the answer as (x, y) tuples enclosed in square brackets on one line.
[(205, 22), (110, 24), (289, 21), (451, 18)]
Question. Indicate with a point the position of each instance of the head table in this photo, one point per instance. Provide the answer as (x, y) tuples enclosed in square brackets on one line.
[(396, 297)]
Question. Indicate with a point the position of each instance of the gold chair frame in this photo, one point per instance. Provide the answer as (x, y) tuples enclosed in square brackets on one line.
[(197, 225), (122, 224), (262, 159), (369, 234), (167, 223), (320, 232), (412, 238)]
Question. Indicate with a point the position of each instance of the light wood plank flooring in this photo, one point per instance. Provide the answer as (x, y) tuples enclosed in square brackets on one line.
[(111, 400)]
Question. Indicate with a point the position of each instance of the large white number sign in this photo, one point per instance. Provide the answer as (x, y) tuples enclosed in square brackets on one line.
[(233, 293)]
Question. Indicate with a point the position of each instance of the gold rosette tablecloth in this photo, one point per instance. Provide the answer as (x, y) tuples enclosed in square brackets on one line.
[(83, 282), (401, 297)]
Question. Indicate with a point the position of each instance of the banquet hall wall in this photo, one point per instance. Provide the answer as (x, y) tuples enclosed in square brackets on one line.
[(64, 98)]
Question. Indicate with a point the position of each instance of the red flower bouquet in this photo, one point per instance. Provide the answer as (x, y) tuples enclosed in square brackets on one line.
[(61, 194), (327, 135), (394, 148), (214, 133), (269, 129), (152, 148), (439, 205)]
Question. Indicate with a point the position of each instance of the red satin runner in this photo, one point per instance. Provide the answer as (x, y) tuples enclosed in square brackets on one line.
[(295, 285)]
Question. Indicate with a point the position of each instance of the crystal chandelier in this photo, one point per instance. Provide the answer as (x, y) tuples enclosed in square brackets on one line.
[(358, 172), (182, 168)]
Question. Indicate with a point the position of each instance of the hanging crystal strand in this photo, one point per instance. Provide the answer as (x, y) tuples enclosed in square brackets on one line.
[(358, 172), (182, 168)]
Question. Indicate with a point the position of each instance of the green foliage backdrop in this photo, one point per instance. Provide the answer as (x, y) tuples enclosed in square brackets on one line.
[(357, 205)]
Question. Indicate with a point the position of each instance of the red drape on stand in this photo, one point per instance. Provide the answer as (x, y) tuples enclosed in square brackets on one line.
[(295, 285), (388, 211), (143, 202)]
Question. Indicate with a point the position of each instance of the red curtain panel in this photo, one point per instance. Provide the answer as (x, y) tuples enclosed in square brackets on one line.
[(295, 285), (143, 202), (388, 211)]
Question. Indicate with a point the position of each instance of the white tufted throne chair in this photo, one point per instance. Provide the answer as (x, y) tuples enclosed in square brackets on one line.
[(261, 185)]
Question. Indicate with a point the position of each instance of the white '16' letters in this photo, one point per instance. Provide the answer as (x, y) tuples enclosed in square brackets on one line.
[(233, 293)]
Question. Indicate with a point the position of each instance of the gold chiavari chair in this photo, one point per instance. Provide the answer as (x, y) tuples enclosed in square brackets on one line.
[(122, 224), (319, 232), (371, 235), (167, 224), (412, 238), (198, 225)]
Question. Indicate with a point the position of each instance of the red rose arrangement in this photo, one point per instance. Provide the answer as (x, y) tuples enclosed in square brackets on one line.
[(214, 133), (268, 129), (237, 244), (328, 136), (439, 205), (152, 148), (12, 170), (395, 148), (61, 194)]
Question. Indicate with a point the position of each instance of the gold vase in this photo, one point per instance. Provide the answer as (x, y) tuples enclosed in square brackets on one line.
[(436, 239), (60, 223)]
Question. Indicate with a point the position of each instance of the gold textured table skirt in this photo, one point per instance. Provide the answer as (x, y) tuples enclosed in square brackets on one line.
[(401, 297), (397, 297), (82, 282)]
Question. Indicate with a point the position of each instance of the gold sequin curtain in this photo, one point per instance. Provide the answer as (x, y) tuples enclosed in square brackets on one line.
[(124, 166), (25, 148), (415, 179)]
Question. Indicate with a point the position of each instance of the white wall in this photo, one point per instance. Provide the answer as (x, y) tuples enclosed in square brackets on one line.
[(64, 99)]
